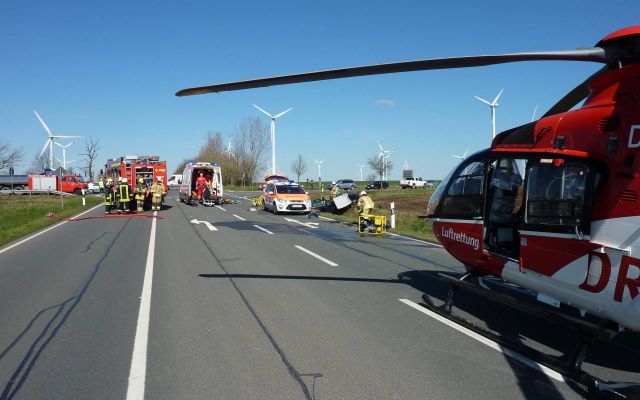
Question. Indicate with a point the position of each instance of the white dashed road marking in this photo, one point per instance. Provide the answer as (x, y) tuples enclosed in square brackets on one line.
[(311, 253)]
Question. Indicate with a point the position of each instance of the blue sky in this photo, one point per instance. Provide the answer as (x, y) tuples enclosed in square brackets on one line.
[(110, 70)]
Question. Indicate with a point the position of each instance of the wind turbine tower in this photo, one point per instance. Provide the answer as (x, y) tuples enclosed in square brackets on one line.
[(273, 134), (51, 140), (320, 174), (493, 105), (361, 166)]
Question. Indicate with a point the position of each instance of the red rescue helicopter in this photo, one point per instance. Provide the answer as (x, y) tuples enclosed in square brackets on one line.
[(553, 205)]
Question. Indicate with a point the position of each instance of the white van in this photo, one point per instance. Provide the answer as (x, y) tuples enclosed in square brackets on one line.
[(211, 172), (174, 181)]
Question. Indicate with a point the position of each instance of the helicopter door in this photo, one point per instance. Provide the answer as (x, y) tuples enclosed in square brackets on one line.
[(505, 200)]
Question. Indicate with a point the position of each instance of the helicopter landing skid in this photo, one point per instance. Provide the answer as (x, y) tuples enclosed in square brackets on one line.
[(569, 365)]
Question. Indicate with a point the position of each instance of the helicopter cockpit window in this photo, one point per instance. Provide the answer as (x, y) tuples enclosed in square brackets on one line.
[(556, 195), (465, 194)]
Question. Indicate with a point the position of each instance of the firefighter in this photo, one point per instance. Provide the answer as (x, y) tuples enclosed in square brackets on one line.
[(109, 196), (142, 191), (334, 190), (157, 191), (365, 204), (201, 183), (124, 194)]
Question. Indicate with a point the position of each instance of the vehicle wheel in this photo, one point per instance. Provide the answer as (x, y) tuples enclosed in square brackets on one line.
[(275, 210), (77, 192)]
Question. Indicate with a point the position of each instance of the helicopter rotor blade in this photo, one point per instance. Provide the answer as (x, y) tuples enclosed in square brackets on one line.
[(595, 54), (575, 96)]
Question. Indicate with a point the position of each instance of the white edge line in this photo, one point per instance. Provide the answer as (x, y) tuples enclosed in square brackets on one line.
[(264, 230), (311, 253), (46, 230), (239, 217), (415, 240), (222, 208), (326, 218), (505, 350), (138, 372)]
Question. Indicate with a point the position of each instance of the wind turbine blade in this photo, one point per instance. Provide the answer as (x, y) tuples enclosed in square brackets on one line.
[(379, 145), (283, 113), (495, 101), (533, 117), (270, 116), (46, 144), (465, 153), (66, 137), (483, 100), (46, 128), (58, 144)]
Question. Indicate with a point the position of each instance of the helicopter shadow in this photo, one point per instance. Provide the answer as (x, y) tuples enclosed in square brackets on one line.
[(621, 353)]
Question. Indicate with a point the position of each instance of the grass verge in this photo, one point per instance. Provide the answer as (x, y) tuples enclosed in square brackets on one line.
[(410, 205), (22, 215)]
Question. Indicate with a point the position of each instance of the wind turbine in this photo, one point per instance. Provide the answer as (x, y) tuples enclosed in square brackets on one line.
[(320, 174), (462, 157), (384, 155), (229, 149), (273, 134), (50, 140), (64, 153), (64, 163), (361, 166), (534, 113), (493, 105)]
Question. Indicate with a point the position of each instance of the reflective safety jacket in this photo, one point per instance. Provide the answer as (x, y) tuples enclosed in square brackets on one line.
[(157, 189), (108, 196), (124, 192), (141, 191), (365, 202)]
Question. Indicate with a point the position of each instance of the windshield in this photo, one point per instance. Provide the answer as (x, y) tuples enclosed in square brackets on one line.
[(290, 189)]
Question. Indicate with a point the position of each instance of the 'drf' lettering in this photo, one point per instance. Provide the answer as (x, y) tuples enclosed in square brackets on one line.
[(624, 280)]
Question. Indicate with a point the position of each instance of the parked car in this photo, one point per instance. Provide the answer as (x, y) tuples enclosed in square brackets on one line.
[(412, 183), (344, 184), (92, 187), (378, 185), (430, 184)]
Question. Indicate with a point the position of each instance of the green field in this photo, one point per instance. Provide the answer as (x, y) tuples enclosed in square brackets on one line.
[(21, 215), (410, 206)]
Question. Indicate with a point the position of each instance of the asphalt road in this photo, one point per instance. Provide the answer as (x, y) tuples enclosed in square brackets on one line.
[(261, 307)]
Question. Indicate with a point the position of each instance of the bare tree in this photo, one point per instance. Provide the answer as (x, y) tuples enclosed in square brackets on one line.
[(377, 164), (299, 167), (251, 139), (91, 149), (9, 157), (38, 164)]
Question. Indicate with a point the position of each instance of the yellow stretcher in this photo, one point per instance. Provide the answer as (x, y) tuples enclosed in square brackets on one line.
[(369, 224)]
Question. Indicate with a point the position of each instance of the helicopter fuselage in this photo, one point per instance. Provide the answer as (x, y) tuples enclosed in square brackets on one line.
[(553, 205)]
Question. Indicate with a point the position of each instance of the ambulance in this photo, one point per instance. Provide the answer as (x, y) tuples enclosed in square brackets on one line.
[(188, 188)]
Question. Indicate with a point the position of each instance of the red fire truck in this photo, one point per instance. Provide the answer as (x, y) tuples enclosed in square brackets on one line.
[(149, 168)]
